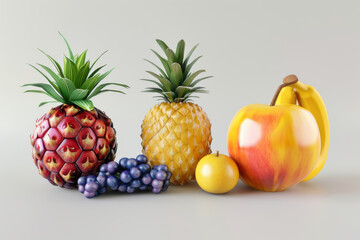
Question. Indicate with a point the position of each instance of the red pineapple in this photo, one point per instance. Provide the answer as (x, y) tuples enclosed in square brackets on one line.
[(75, 138)]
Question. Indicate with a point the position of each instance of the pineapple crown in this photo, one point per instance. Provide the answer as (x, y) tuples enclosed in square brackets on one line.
[(176, 83), (74, 83)]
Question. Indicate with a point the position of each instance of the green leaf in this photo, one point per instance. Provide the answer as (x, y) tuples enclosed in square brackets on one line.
[(96, 70), (189, 79), (165, 82), (157, 83), (43, 103), (70, 69), (71, 55), (67, 87), (164, 63), (91, 83), (82, 74), (182, 90), (188, 67), (176, 75), (84, 104), (162, 44), (161, 71), (47, 88), (189, 55), (152, 89), (109, 90), (98, 59), (171, 56), (55, 63), (81, 60), (51, 82), (78, 94), (180, 51), (100, 87), (199, 80), (53, 75)]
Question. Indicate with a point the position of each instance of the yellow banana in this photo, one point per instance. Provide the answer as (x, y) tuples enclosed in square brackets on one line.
[(286, 96), (311, 100)]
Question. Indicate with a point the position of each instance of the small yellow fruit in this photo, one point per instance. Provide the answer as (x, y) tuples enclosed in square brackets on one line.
[(217, 173)]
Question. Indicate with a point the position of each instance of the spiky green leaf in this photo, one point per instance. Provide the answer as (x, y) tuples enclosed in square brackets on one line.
[(98, 89), (165, 82), (70, 69), (181, 91), (176, 75), (161, 71), (180, 51), (66, 87), (55, 63), (157, 83), (163, 62), (170, 56), (47, 88), (96, 70), (194, 83), (109, 90), (98, 59), (79, 61), (188, 67), (82, 74), (84, 104), (162, 44), (189, 79), (188, 56), (78, 94), (51, 82), (71, 55)]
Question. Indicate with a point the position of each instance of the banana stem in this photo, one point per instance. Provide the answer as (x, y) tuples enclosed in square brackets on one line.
[(288, 80)]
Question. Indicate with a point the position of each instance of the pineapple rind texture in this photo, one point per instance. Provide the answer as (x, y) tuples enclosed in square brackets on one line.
[(178, 135)]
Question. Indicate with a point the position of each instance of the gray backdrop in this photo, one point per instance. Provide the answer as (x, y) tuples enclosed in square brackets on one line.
[(249, 46)]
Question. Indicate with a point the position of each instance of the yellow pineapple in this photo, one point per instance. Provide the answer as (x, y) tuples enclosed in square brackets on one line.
[(176, 132)]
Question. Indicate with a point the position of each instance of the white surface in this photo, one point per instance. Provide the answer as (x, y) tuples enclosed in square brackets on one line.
[(249, 47)]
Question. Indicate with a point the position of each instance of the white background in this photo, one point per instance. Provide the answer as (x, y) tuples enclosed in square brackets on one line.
[(249, 46)]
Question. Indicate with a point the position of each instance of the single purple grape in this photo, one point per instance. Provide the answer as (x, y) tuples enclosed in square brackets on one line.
[(163, 167), (125, 176), (102, 190), (146, 179), (156, 167), (160, 175), (130, 189), (112, 182), (156, 190), (164, 188), (81, 181), (101, 179), (135, 172), (91, 187), (153, 173), (143, 187), (122, 162), (112, 167), (135, 183), (157, 184), (103, 168), (102, 174), (144, 168), (141, 158), (122, 187), (168, 176), (131, 163), (81, 188), (90, 178), (166, 183), (89, 194)]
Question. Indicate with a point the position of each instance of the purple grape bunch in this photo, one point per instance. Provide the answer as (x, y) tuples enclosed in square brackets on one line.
[(129, 175)]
